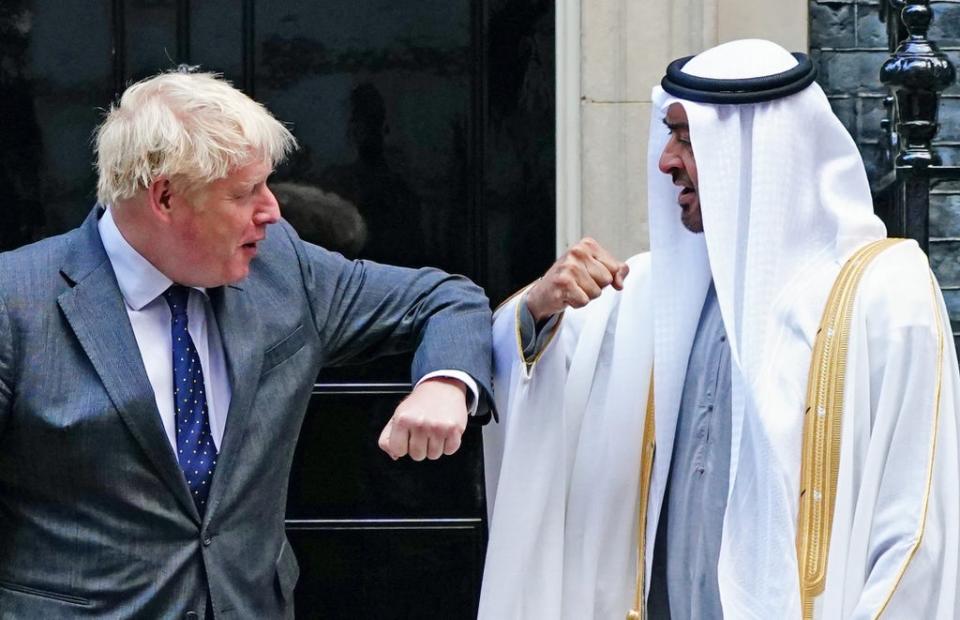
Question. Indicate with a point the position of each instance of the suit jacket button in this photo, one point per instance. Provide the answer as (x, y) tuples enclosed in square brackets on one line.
[(206, 541), (192, 615)]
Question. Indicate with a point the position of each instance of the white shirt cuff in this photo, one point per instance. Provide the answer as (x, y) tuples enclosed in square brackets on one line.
[(473, 398)]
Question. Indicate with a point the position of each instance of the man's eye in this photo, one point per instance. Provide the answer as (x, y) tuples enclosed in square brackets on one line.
[(681, 138)]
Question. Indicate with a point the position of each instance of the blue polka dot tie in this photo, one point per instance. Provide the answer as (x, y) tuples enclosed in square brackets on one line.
[(195, 448)]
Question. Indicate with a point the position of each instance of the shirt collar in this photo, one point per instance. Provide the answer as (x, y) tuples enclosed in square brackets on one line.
[(139, 281)]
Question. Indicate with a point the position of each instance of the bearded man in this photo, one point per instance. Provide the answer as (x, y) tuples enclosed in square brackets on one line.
[(760, 420)]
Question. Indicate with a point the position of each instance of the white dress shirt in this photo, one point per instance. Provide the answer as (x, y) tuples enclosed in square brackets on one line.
[(142, 285)]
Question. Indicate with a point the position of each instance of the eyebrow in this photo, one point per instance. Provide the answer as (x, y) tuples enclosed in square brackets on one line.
[(675, 126)]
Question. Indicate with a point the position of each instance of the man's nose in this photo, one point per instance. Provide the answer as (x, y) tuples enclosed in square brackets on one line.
[(268, 212), (669, 161)]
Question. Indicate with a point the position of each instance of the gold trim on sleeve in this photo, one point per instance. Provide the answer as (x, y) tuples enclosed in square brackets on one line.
[(516, 323), (822, 425), (639, 611), (512, 296)]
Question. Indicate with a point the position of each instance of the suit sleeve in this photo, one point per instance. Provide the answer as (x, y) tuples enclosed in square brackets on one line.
[(6, 365), (363, 310)]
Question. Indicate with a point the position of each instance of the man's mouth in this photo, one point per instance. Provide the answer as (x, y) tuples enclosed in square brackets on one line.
[(251, 246), (686, 196)]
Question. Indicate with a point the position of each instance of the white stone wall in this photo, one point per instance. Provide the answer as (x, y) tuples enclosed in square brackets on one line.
[(610, 53)]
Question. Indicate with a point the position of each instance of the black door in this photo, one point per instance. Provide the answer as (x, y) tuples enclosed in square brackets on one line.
[(427, 138)]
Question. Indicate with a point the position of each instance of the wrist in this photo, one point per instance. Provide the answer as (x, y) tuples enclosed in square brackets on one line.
[(456, 383), (536, 309)]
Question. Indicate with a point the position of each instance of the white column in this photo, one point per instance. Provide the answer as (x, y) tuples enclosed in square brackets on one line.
[(568, 124), (782, 21)]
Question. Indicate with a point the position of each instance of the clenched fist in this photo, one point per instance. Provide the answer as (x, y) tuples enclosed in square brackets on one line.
[(429, 422), (577, 277)]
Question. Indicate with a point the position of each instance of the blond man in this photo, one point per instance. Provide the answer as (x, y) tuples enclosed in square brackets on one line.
[(156, 364)]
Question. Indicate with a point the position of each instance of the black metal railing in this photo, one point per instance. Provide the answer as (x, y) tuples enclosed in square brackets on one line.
[(917, 72)]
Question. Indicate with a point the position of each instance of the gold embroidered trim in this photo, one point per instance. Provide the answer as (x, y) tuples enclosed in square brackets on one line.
[(933, 449), (647, 451), (516, 322), (822, 426), (510, 298)]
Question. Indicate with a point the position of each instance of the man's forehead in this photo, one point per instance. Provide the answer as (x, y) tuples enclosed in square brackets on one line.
[(246, 175), (675, 116), (253, 172)]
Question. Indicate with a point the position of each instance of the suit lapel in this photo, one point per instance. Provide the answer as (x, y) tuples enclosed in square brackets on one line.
[(243, 350), (94, 308)]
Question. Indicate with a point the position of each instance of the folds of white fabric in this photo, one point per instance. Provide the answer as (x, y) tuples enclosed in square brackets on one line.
[(563, 463), (896, 549)]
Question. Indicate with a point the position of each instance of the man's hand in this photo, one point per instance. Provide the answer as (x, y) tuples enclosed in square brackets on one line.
[(577, 277), (429, 422)]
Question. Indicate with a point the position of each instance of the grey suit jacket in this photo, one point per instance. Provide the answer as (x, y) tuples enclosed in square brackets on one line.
[(96, 519)]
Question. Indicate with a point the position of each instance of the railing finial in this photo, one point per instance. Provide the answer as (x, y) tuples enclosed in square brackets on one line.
[(917, 72)]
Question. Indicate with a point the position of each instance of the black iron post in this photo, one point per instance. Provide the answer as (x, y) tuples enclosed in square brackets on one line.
[(917, 72)]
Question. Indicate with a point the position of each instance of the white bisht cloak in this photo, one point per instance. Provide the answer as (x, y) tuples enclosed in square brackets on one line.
[(562, 465), (563, 497)]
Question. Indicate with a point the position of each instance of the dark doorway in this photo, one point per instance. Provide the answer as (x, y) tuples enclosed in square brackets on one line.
[(427, 138)]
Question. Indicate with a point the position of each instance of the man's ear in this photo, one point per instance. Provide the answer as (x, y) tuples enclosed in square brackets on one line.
[(160, 197)]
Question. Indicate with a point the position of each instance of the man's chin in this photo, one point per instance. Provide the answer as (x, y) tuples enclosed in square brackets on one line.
[(691, 220), (237, 275), (232, 275)]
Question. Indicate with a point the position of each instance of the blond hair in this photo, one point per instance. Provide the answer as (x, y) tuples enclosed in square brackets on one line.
[(192, 128)]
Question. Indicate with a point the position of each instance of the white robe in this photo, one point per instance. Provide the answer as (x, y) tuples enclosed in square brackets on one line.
[(563, 464)]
